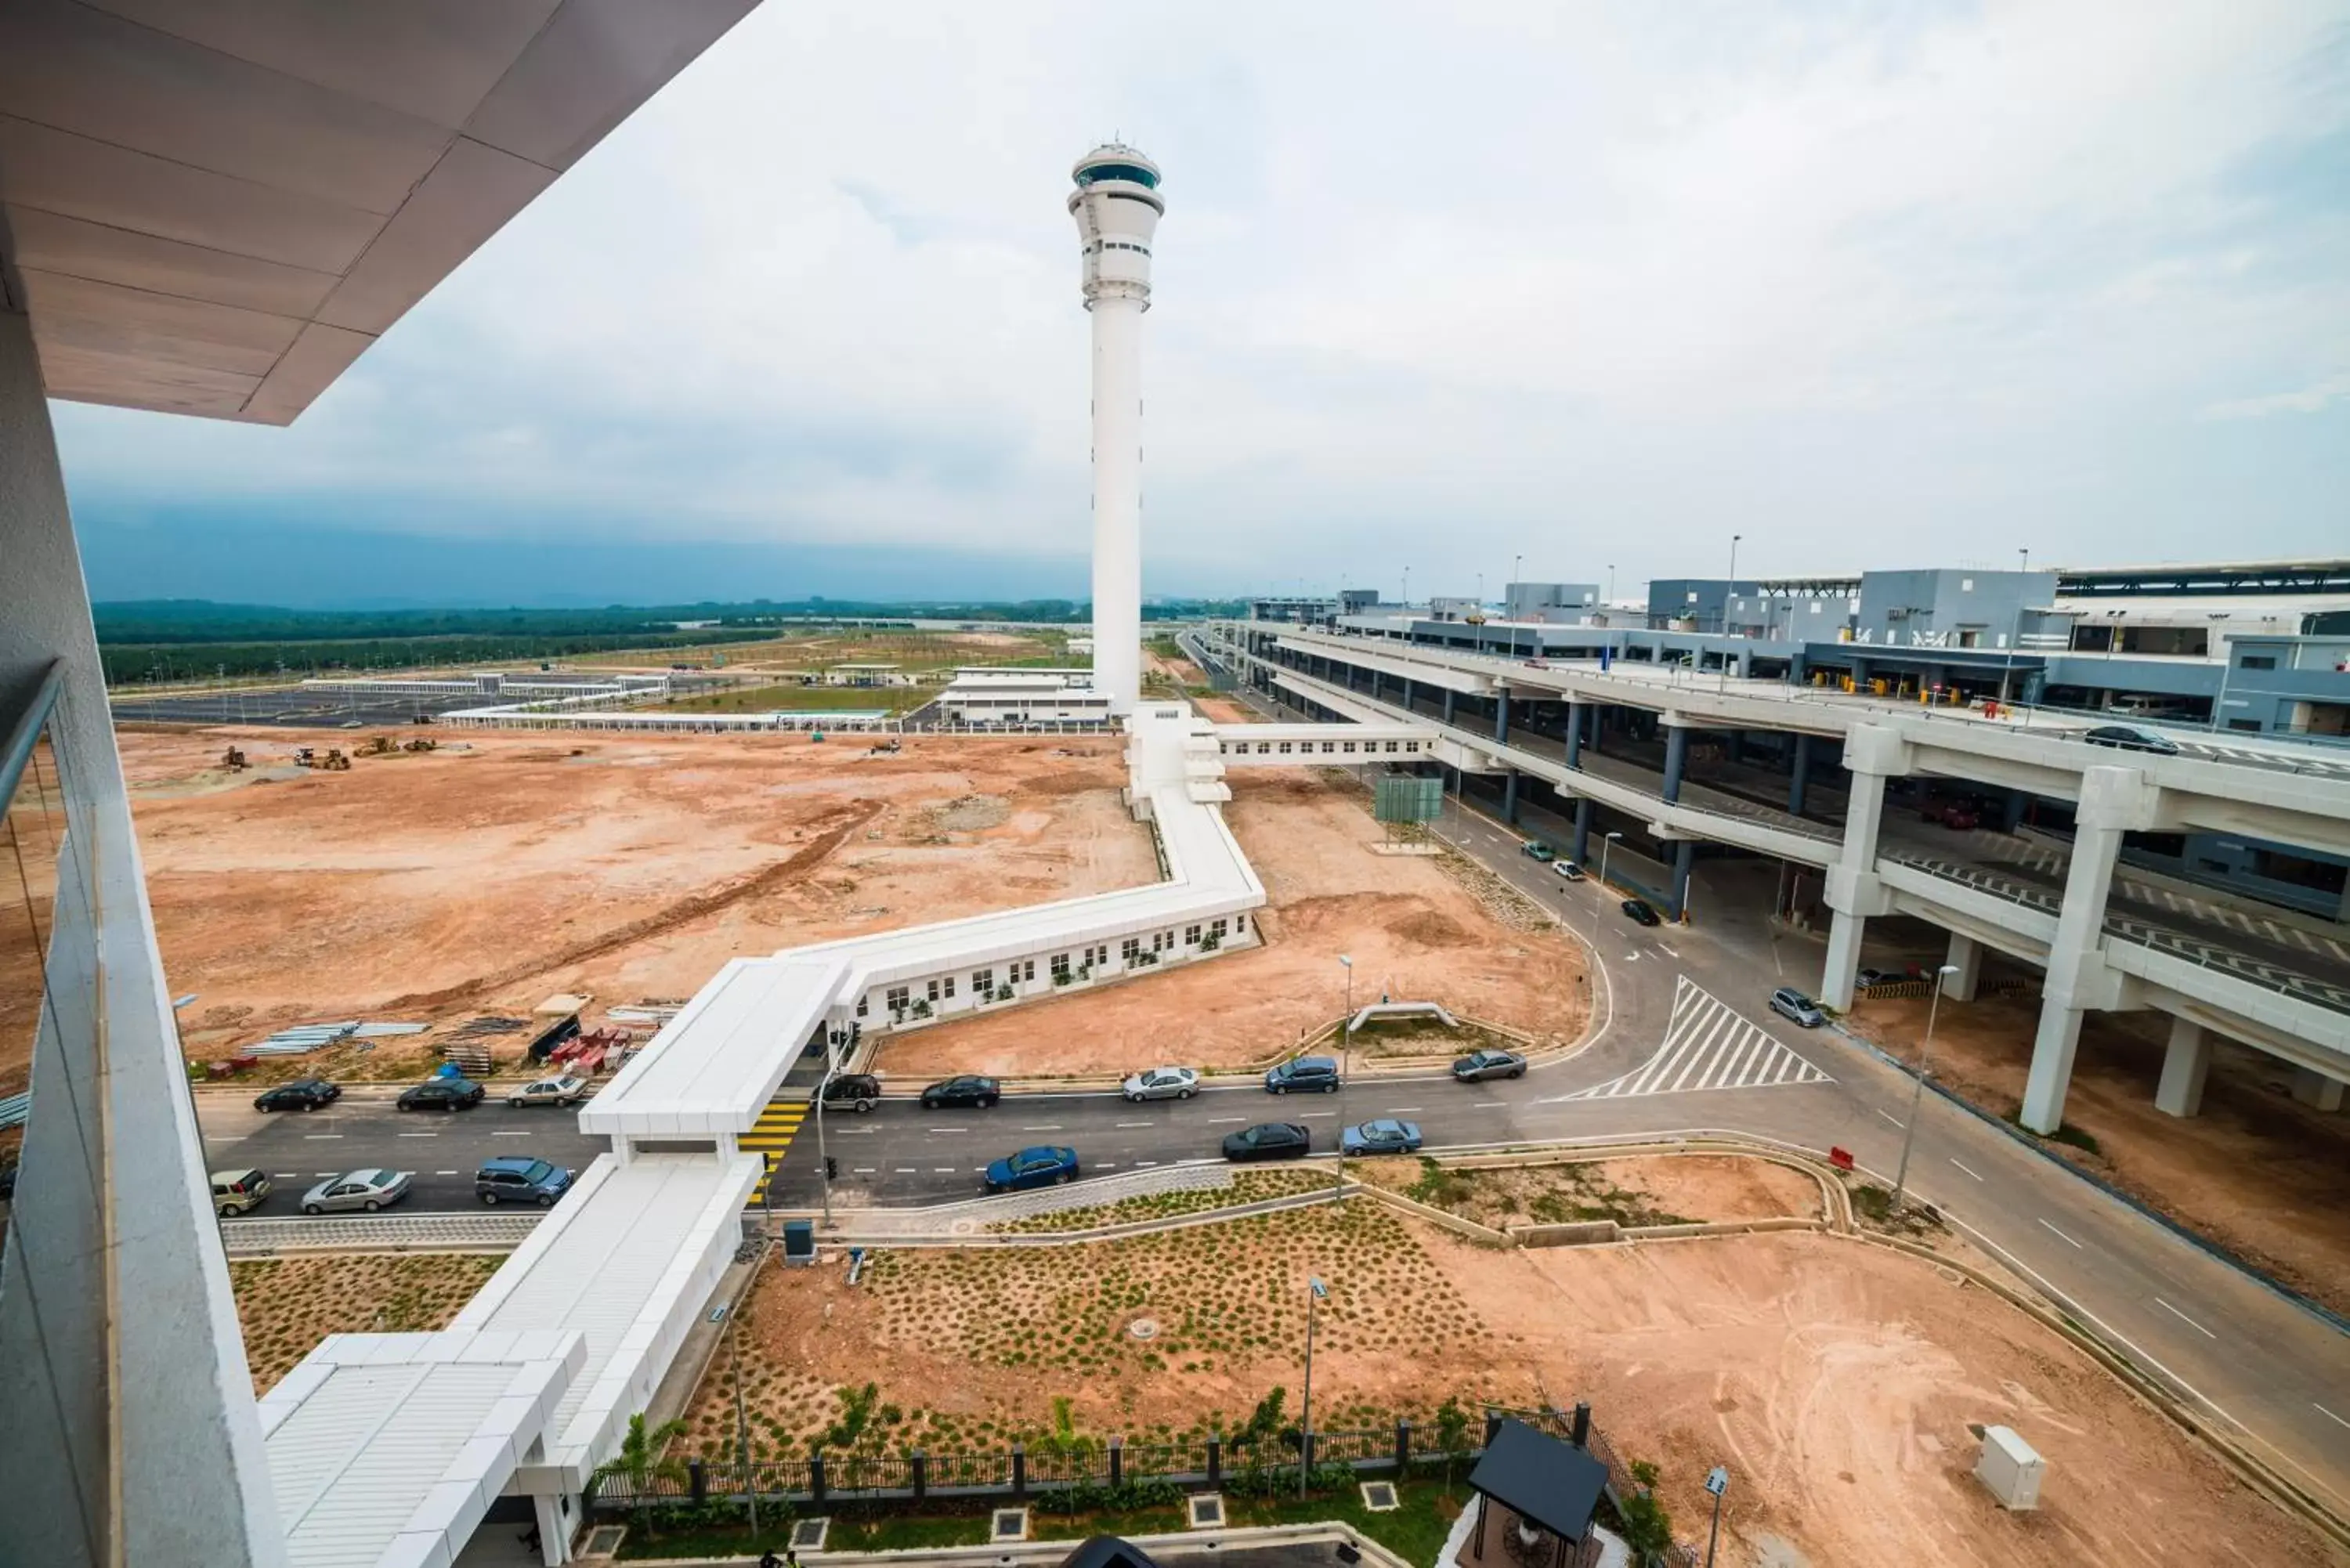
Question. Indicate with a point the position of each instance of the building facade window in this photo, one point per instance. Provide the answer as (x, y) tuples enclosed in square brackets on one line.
[(1191, 936), (896, 998), (1060, 966), (1128, 949), (982, 982), (1221, 926), (863, 1011)]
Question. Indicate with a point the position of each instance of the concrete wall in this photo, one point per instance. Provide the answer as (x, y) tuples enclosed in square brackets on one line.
[(121, 1369)]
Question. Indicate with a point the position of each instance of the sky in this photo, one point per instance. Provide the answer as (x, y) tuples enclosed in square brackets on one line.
[(1569, 293)]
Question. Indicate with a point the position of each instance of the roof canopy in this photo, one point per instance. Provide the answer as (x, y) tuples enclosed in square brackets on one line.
[(215, 209), (1541, 1478)]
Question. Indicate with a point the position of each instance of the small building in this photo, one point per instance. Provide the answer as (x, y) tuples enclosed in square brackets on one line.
[(1536, 1497), (1554, 603), (867, 675), (1022, 697)]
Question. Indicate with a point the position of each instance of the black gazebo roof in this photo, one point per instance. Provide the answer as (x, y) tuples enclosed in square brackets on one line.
[(1541, 1478)]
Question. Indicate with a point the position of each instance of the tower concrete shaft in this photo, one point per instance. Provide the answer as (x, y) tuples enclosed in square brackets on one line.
[(1116, 207)]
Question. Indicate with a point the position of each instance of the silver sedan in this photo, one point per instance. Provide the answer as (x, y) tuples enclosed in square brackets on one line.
[(367, 1190), (1161, 1084)]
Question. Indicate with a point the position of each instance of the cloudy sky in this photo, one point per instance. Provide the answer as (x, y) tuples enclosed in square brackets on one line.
[(1439, 287)]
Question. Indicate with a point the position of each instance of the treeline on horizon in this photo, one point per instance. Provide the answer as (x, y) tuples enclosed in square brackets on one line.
[(181, 639)]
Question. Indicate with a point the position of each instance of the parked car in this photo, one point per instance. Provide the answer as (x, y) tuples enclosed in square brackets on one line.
[(301, 1095), (1268, 1140), (1569, 869), (967, 1090), (565, 1090), (2130, 739), (1479, 1065), (238, 1191), (519, 1179), (1641, 914), (1043, 1166), (1793, 1004), (1869, 977), (367, 1190), (859, 1092), (1304, 1076), (1535, 848), (1161, 1084), (1386, 1136), (441, 1094), (1959, 817)]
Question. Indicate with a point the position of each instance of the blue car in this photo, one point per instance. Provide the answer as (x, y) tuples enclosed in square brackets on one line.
[(1040, 1167), (1386, 1136)]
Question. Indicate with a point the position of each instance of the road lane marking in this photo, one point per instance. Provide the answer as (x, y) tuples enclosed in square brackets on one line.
[(326, 1173), (2328, 1414), (1668, 952), (864, 1171), (503, 1134), (1106, 1165), (1889, 1117), (1398, 1110), (416, 1135), (1047, 1127), (2184, 1318), (942, 1170), (949, 1129), (1316, 1115), (1213, 1121), (1141, 1163), (315, 1138), (1961, 1165), (1488, 1105), (444, 1173), (284, 1176), (1124, 1125), (905, 1170), (2058, 1234)]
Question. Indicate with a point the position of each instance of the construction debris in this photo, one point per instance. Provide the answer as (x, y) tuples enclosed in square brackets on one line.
[(303, 1039)]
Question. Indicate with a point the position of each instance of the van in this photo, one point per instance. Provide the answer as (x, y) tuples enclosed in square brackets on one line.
[(238, 1192)]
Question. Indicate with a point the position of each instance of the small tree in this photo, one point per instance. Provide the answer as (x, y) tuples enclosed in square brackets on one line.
[(1451, 1436), (1648, 1528), (644, 1458)]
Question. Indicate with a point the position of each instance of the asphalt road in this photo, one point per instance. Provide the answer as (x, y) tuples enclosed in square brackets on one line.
[(2278, 1372)]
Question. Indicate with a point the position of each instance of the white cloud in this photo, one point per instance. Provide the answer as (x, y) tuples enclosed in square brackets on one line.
[(2315, 398), (1435, 287)]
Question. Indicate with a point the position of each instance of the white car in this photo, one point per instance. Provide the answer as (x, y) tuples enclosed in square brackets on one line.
[(566, 1090), (367, 1190), (1161, 1084)]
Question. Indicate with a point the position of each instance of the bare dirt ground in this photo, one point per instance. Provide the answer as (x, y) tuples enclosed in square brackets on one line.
[(2261, 1175), (1226, 711), (286, 1305), (1665, 1190), (486, 874), (1835, 1381), (1413, 929)]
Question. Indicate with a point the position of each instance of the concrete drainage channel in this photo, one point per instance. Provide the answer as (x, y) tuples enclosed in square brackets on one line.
[(378, 1233)]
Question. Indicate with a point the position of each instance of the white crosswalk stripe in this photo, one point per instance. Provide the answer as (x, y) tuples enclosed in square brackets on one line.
[(1708, 1045)]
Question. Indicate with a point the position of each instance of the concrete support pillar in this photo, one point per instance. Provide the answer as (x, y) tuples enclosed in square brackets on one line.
[(1683, 849), (2113, 800), (1407, 694), (1575, 712), (2316, 1090), (1502, 713), (1854, 893), (1966, 957), (1599, 726), (2185, 1063), (1510, 794), (1837, 980), (2011, 810), (1799, 775), (554, 1529), (1676, 758), (1450, 699), (1582, 829)]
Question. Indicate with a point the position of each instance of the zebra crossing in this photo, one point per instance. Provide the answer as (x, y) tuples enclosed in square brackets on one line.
[(773, 1134), (1708, 1045)]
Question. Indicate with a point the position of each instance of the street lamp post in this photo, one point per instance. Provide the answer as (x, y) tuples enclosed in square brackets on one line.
[(1349, 965), (1717, 1481), (1918, 1094), (1315, 1291), (1722, 684), (824, 1165), (1603, 857)]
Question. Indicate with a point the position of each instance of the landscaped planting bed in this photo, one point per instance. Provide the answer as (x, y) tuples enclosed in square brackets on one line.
[(288, 1305), (1657, 1189), (1248, 1187)]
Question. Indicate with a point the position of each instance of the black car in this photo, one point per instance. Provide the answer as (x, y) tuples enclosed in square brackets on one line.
[(2130, 740), (1268, 1140), (857, 1091), (1479, 1065), (519, 1179), (301, 1095), (439, 1094), (1637, 911), (1304, 1076), (967, 1090)]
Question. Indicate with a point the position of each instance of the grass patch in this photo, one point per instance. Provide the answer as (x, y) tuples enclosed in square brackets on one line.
[(1541, 1194), (2065, 1133), (791, 697)]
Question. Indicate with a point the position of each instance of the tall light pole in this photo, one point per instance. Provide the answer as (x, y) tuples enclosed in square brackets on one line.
[(1349, 965), (1724, 683), (824, 1164), (1315, 1291), (1717, 1481), (1918, 1094), (1603, 858)]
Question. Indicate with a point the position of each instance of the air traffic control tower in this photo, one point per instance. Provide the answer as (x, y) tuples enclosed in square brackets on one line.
[(1116, 206)]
